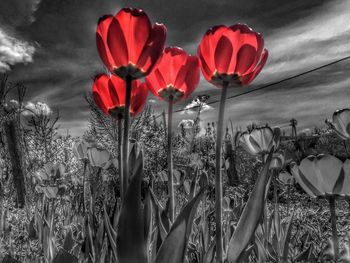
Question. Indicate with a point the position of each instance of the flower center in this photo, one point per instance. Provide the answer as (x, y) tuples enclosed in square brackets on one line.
[(169, 91), (117, 112), (232, 79), (129, 70)]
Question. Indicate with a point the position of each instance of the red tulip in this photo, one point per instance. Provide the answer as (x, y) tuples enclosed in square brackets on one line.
[(128, 44), (232, 54), (109, 95), (177, 75)]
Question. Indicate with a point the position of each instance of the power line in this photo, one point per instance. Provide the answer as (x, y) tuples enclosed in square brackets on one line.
[(270, 84)]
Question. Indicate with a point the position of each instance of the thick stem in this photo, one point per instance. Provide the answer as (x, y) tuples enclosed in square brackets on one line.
[(84, 191), (218, 178), (275, 186), (125, 152), (288, 199), (331, 200), (346, 148), (120, 168), (170, 161)]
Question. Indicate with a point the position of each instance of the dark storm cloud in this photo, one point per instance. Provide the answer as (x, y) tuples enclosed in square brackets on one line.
[(15, 13), (65, 58)]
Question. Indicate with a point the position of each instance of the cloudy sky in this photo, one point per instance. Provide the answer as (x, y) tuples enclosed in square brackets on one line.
[(49, 46)]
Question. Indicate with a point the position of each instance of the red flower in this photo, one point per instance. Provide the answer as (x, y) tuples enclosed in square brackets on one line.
[(109, 95), (177, 75), (232, 54), (128, 44)]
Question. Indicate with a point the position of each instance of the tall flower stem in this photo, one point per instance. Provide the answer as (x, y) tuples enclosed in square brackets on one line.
[(125, 152), (84, 187), (331, 200), (346, 148), (120, 134), (275, 186), (170, 160), (218, 178), (288, 199)]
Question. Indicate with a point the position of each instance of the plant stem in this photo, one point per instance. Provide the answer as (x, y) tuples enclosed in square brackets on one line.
[(170, 161), (120, 168), (331, 200), (288, 199), (346, 148), (218, 178), (125, 151), (84, 191), (275, 186)]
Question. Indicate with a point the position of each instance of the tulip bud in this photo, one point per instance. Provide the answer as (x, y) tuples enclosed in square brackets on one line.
[(277, 161), (99, 158), (203, 180), (80, 149), (260, 140), (341, 123)]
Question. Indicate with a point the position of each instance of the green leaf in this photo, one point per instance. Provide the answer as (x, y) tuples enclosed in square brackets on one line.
[(286, 239), (64, 257), (131, 245), (32, 233), (209, 255), (305, 255), (250, 216), (68, 241), (112, 236), (148, 218), (174, 246)]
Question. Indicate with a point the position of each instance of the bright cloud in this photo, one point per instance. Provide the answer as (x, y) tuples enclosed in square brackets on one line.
[(38, 108), (14, 51), (187, 124), (192, 107)]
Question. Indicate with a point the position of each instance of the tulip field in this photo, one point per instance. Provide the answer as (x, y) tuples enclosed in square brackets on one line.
[(134, 188)]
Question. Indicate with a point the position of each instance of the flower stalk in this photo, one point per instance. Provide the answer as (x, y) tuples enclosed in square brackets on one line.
[(125, 152), (218, 177), (120, 134), (331, 200), (170, 160)]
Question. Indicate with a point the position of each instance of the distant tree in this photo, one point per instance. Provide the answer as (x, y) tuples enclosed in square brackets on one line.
[(10, 129), (41, 132)]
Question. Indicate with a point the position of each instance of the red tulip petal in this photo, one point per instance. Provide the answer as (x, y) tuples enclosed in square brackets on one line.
[(136, 27), (207, 73), (245, 80), (117, 90), (206, 49), (259, 50), (139, 99), (243, 28), (170, 64), (239, 36), (245, 58), (153, 49), (223, 54), (182, 73), (192, 76), (101, 41), (117, 44), (100, 92), (155, 82)]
